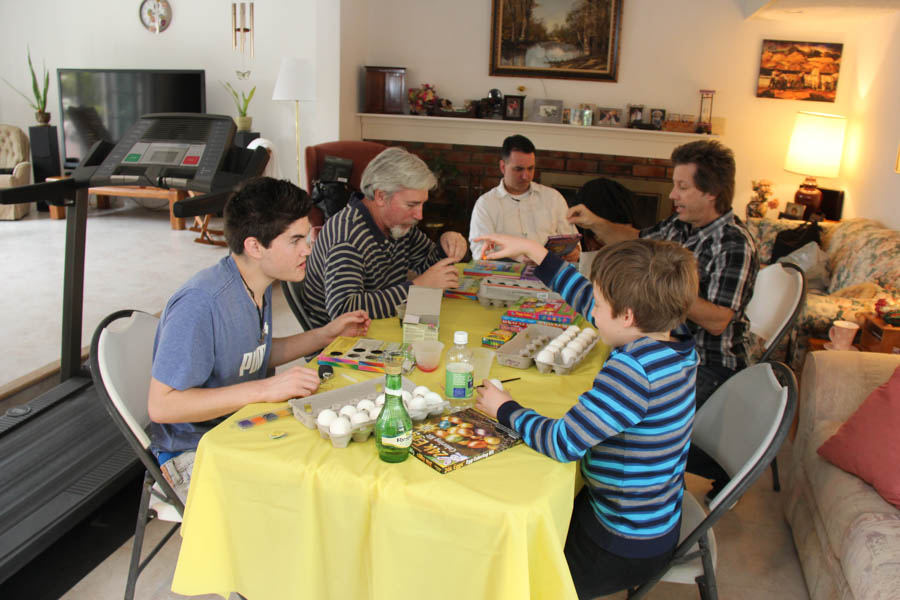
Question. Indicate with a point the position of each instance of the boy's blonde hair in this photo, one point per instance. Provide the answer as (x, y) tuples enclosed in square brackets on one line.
[(656, 279)]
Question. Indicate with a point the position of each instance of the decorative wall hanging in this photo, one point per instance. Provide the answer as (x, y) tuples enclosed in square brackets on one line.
[(799, 70), (566, 39), (242, 27), (155, 15)]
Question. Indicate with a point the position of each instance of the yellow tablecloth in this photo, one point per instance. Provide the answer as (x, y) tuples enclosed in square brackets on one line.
[(297, 518)]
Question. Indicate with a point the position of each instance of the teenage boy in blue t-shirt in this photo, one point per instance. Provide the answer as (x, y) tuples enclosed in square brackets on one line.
[(632, 429), (214, 341)]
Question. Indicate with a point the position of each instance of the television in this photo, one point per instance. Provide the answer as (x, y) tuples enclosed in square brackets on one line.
[(97, 104)]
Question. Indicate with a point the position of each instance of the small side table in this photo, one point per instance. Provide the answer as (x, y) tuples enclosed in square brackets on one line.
[(816, 344), (243, 138), (878, 336)]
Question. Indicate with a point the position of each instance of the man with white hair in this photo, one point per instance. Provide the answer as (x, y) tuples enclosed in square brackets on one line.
[(364, 254)]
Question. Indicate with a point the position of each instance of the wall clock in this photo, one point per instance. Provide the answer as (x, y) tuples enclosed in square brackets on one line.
[(156, 15)]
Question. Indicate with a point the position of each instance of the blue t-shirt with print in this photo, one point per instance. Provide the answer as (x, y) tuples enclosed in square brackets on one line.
[(209, 336)]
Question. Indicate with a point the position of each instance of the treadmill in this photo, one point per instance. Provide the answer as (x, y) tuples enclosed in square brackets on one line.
[(61, 455)]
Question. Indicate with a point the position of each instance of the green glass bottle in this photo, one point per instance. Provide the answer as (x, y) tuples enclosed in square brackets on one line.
[(393, 428)]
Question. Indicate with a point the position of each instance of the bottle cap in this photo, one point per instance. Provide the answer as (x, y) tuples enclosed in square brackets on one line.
[(461, 337)]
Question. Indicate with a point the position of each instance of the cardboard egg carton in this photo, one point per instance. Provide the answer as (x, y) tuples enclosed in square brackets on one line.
[(306, 410), (520, 351), (559, 366), (503, 291)]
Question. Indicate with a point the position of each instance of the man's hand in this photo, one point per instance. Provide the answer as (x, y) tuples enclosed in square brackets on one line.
[(351, 324), (295, 382), (491, 398), (442, 274), (454, 245), (498, 245), (582, 216)]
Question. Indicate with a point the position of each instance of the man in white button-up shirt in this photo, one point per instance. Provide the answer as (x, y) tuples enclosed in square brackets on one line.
[(519, 206)]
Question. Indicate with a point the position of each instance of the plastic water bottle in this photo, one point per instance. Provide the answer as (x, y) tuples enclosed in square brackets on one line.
[(393, 428), (459, 381)]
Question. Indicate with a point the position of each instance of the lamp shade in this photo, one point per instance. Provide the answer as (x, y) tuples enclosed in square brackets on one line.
[(295, 80), (816, 145)]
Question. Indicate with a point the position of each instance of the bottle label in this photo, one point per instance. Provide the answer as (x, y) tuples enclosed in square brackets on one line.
[(459, 380), (390, 391), (404, 440)]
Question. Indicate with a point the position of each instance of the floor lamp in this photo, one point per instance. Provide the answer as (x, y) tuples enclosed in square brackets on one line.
[(295, 82)]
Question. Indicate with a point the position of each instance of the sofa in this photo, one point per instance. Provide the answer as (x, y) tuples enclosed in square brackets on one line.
[(861, 265), (15, 168), (847, 536)]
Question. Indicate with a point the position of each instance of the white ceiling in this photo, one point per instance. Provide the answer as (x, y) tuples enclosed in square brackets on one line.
[(779, 10)]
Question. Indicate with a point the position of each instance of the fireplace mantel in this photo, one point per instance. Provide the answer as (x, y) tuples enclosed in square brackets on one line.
[(546, 136)]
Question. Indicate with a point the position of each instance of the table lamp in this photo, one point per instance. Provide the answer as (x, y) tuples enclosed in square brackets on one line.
[(815, 151), (296, 81)]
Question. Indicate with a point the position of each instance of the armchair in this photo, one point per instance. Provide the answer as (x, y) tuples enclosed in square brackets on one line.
[(15, 167)]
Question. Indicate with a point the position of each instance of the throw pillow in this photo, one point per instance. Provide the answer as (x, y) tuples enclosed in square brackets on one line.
[(813, 260), (867, 444)]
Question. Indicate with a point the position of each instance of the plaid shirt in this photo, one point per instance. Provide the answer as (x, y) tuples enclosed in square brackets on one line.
[(728, 263)]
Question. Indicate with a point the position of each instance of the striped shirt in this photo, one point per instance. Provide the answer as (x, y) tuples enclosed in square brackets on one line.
[(354, 266), (728, 263), (631, 431)]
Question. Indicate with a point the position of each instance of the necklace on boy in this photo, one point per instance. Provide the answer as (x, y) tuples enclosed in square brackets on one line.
[(260, 310)]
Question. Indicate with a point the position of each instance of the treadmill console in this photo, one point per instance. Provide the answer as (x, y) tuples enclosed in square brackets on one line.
[(169, 150)]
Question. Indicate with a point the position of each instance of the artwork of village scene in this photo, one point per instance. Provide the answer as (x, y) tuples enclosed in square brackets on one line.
[(799, 70)]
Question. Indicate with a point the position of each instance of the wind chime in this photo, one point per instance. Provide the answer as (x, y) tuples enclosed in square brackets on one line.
[(242, 32)]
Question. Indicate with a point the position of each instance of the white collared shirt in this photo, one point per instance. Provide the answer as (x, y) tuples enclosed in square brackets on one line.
[(537, 214)]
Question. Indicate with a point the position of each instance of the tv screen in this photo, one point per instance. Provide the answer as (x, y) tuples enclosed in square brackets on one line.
[(99, 104)]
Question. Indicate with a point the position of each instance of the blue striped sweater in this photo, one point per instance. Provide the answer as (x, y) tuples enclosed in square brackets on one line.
[(354, 266), (631, 431)]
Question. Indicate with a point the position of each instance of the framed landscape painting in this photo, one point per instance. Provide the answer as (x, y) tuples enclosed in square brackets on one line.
[(799, 70), (566, 39)]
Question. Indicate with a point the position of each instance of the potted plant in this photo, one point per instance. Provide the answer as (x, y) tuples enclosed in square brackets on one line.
[(39, 104), (242, 101)]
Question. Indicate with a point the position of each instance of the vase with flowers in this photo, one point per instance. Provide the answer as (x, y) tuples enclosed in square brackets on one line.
[(39, 104), (423, 100), (763, 201)]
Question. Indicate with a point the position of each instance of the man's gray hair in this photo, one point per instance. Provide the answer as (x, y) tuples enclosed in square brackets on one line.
[(396, 169)]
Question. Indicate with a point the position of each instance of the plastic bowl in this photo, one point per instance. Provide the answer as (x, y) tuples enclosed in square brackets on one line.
[(428, 354)]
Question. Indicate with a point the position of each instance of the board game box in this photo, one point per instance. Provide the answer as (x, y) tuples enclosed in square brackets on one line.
[(467, 288), (449, 442), (533, 310), (561, 245), (496, 268)]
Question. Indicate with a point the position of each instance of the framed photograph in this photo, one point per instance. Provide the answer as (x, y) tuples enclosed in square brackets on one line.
[(608, 117), (657, 117), (635, 114), (799, 70), (513, 108), (794, 210), (565, 39), (546, 111), (567, 116)]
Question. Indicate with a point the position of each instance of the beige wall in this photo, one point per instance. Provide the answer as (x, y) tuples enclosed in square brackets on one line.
[(670, 50)]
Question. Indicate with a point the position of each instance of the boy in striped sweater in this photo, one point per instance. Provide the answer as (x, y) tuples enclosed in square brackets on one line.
[(632, 429)]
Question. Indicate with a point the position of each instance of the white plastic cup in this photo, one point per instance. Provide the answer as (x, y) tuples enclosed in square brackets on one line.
[(482, 360), (841, 334), (428, 354)]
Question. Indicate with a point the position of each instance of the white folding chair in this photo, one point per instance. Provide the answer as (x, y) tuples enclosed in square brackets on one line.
[(777, 300), (292, 290), (121, 361), (741, 426)]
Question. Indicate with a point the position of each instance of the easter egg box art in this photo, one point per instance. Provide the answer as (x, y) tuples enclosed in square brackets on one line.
[(449, 442)]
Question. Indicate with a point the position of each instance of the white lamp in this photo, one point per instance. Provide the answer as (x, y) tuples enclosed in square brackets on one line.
[(815, 151), (296, 81)]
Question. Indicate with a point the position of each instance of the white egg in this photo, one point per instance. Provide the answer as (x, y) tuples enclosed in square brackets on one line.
[(574, 329), (558, 344), (576, 346), (360, 418), (348, 411), (340, 426), (366, 405), (405, 395), (497, 383), (568, 356), (326, 417), (417, 403), (545, 356), (373, 414), (420, 390), (379, 401), (433, 399)]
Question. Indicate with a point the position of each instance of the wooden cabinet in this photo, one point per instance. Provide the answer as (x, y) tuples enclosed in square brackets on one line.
[(878, 336), (385, 89)]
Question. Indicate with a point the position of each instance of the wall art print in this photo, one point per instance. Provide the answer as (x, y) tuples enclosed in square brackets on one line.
[(799, 70)]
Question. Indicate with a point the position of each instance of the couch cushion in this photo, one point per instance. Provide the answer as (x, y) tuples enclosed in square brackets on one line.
[(862, 250), (841, 497), (871, 557), (868, 444)]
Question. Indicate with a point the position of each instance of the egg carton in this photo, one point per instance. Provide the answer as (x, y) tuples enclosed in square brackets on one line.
[(561, 366), (520, 351), (503, 291), (307, 410)]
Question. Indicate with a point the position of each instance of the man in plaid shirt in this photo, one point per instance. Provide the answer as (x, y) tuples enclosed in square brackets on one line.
[(704, 223)]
